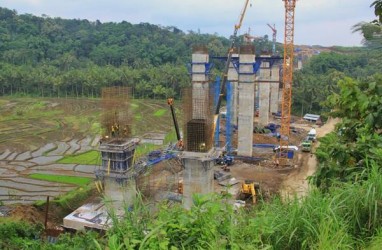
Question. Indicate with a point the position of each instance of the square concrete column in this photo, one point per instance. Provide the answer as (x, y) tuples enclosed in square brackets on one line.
[(200, 78), (120, 194), (233, 77), (264, 89), (116, 172), (246, 99), (198, 175), (264, 92), (275, 86)]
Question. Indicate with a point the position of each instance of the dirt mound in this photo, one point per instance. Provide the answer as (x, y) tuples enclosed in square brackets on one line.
[(28, 213)]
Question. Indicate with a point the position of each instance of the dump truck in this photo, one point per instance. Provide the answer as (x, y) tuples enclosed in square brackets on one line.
[(306, 146)]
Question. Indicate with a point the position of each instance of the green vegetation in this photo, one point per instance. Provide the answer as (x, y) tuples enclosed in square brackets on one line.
[(160, 112), (319, 76), (347, 217), (144, 149), (55, 57), (22, 235), (343, 211), (76, 180), (170, 137), (347, 153), (91, 157)]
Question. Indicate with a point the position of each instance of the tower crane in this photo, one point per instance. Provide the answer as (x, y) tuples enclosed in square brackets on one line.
[(227, 63), (274, 34), (287, 81)]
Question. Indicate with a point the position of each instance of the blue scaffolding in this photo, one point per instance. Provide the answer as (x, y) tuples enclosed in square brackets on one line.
[(216, 98), (228, 122)]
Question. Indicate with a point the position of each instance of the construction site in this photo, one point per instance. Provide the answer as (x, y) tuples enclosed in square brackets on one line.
[(234, 134)]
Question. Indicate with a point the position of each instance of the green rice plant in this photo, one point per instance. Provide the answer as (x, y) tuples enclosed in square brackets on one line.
[(95, 128), (160, 112), (76, 180), (170, 137), (134, 105), (91, 157), (144, 149)]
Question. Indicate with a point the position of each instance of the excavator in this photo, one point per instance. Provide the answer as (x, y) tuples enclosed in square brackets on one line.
[(249, 189)]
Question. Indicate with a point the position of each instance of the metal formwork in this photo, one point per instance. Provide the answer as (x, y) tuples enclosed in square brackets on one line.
[(198, 112), (161, 181)]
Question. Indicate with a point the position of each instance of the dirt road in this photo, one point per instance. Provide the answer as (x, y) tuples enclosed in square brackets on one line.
[(296, 183)]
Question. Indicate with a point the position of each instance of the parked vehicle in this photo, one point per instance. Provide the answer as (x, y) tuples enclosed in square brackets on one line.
[(312, 135), (306, 146)]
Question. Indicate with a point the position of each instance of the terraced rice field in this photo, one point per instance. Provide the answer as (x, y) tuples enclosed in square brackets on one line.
[(36, 133), (15, 169)]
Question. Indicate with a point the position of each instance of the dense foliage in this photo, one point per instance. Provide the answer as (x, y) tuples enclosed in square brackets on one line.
[(43, 56), (347, 217), (347, 153), (318, 78)]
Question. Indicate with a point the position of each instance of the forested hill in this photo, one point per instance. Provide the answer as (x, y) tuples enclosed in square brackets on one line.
[(28, 39), (43, 56), (54, 57)]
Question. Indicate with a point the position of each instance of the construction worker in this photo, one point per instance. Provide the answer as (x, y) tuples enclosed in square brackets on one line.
[(112, 131), (125, 131)]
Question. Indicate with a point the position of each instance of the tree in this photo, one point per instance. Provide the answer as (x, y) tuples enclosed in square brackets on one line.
[(347, 153), (372, 31)]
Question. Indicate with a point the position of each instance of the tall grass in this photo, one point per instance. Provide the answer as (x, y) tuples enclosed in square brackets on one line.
[(349, 216)]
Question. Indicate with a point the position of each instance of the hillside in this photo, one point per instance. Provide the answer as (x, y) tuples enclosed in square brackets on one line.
[(55, 57)]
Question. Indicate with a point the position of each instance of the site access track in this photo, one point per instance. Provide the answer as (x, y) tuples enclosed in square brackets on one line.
[(296, 183)]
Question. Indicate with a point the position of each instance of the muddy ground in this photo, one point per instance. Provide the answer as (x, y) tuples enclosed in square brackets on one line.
[(286, 181)]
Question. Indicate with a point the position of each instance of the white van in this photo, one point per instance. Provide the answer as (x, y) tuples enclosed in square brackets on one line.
[(277, 148)]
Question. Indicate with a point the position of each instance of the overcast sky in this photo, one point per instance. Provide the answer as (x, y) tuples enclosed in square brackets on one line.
[(318, 22)]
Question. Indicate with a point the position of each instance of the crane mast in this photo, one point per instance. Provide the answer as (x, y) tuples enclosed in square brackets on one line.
[(274, 35), (287, 80), (226, 66)]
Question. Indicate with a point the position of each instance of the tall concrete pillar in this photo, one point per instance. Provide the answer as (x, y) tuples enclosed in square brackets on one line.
[(233, 77), (246, 97), (198, 165), (264, 91), (200, 90), (275, 86), (198, 175)]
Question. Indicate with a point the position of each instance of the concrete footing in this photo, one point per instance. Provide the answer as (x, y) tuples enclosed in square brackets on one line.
[(198, 175)]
